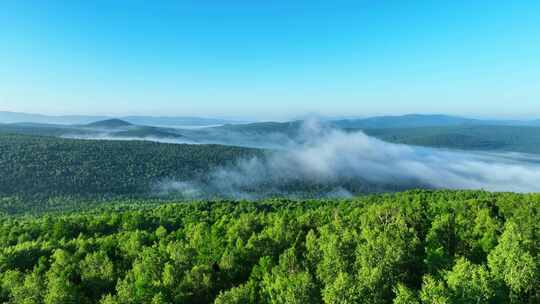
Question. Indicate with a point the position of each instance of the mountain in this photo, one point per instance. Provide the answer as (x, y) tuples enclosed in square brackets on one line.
[(403, 121), (145, 132), (419, 120), (439, 131), (290, 127), (407, 121), (110, 124), (16, 117), (42, 129), (525, 139), (163, 121), (104, 129), (177, 121)]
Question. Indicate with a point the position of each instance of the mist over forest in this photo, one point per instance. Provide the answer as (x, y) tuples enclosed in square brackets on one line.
[(341, 163), (299, 159), (269, 152)]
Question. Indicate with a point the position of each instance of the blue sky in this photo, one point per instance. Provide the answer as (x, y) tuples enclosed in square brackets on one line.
[(272, 60)]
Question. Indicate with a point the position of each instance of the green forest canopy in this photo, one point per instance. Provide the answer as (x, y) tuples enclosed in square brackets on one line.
[(524, 139), (43, 167), (37, 169), (412, 247)]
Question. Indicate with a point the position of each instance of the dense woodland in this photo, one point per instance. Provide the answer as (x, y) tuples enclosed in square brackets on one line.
[(42, 172), (525, 139), (77, 225), (412, 247), (42, 167)]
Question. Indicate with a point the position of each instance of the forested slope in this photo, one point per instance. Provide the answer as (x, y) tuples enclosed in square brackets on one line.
[(44, 173), (36, 166), (413, 247), (467, 136), (486, 138)]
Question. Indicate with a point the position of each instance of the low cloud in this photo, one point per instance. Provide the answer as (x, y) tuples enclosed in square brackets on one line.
[(333, 163), (108, 136)]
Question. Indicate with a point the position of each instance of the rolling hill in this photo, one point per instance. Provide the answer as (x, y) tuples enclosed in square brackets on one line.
[(16, 117), (525, 139), (420, 120), (109, 124), (484, 138), (40, 166), (406, 121), (437, 131), (144, 132)]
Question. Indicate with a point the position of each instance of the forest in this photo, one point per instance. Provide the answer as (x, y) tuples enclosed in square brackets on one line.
[(40, 167), (524, 139), (419, 130), (43, 173), (418, 246)]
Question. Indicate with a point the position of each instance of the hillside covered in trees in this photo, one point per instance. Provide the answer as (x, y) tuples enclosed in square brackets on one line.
[(437, 131), (40, 172), (525, 139), (413, 247), (42, 167)]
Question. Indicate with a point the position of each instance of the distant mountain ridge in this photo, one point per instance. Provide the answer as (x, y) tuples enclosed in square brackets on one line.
[(440, 131), (110, 124), (166, 121), (400, 121), (17, 117), (423, 120)]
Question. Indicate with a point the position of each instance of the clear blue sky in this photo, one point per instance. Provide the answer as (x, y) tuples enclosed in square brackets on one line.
[(270, 59)]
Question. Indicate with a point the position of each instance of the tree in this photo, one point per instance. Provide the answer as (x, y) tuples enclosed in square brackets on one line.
[(144, 281), (333, 252), (441, 243), (62, 279), (32, 289), (404, 295), (512, 263), (97, 272), (470, 283), (109, 299), (243, 294), (288, 283), (434, 291), (370, 249), (342, 290), (385, 255), (10, 280)]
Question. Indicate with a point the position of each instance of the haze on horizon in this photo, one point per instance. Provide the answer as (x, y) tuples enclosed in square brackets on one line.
[(276, 60)]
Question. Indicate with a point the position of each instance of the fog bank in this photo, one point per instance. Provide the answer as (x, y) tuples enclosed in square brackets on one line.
[(333, 163)]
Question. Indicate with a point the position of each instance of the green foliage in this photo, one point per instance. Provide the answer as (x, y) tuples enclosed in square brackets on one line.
[(242, 294), (434, 291), (470, 283), (44, 174), (405, 248), (472, 137), (514, 264), (38, 167), (97, 274), (404, 295), (62, 279), (342, 289), (288, 282)]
